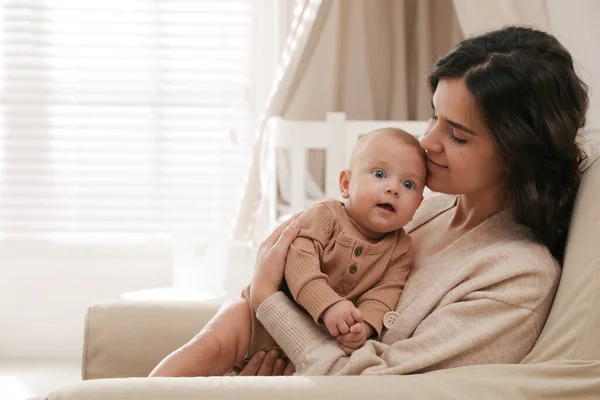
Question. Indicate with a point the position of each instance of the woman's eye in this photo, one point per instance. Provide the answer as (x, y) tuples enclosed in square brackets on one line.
[(379, 174), (408, 185), (457, 140)]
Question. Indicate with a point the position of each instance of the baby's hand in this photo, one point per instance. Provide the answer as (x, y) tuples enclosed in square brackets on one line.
[(339, 317), (356, 338)]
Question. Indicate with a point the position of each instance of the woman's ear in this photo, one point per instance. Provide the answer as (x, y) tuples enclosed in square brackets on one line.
[(345, 183)]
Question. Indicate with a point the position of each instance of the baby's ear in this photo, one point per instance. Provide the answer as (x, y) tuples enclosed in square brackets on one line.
[(345, 183)]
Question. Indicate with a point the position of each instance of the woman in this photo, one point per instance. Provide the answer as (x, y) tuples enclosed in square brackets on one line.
[(501, 146)]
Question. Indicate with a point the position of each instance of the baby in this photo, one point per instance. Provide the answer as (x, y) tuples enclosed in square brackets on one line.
[(349, 262)]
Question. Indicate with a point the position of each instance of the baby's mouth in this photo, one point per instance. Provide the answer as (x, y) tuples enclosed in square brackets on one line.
[(387, 207)]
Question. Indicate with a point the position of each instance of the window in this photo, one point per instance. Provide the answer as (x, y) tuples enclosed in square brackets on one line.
[(122, 116)]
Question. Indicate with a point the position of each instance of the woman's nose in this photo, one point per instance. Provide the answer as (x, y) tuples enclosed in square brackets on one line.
[(430, 142)]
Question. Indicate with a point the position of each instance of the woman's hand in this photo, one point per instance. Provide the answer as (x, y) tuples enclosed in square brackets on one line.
[(268, 270), (263, 364)]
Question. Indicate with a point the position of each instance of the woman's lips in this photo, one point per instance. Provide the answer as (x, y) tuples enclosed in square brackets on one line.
[(436, 164)]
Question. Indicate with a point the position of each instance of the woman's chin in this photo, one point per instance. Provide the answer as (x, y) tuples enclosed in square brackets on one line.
[(439, 185)]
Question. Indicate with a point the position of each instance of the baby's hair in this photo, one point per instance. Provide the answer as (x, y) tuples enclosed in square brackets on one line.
[(402, 135), (398, 133)]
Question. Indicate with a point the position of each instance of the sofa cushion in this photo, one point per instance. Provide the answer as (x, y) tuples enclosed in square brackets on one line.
[(573, 326)]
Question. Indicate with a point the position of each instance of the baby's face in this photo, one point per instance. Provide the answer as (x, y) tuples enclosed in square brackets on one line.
[(387, 178)]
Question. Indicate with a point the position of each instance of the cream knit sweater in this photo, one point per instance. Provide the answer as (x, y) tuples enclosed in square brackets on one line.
[(482, 300)]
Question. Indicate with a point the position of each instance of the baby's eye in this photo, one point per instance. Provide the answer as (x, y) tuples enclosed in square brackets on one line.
[(379, 174), (408, 184)]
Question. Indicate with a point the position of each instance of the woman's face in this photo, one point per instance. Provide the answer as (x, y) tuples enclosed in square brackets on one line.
[(461, 156)]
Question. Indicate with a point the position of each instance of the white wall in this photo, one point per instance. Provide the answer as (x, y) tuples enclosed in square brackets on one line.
[(576, 23), (45, 289)]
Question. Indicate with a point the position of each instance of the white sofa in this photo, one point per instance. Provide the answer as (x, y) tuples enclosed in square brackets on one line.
[(126, 339)]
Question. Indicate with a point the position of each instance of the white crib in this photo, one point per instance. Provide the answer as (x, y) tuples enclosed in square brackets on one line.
[(336, 136)]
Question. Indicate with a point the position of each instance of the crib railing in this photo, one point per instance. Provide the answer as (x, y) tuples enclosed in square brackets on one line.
[(336, 136)]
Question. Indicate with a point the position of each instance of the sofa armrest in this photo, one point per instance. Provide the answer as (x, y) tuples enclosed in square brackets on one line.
[(128, 338), (557, 380)]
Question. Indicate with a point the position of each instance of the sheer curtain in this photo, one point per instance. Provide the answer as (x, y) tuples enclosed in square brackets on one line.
[(124, 118), (366, 58)]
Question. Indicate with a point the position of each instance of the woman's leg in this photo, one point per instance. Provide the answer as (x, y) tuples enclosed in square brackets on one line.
[(220, 345)]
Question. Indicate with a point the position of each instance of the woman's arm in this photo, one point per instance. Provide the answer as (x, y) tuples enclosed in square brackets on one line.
[(475, 330)]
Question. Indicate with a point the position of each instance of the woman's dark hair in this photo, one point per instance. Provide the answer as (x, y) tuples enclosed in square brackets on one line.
[(534, 104)]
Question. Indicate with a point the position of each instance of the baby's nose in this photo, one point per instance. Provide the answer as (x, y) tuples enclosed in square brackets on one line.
[(393, 190)]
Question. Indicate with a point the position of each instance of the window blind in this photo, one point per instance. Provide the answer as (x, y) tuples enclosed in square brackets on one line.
[(123, 116)]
